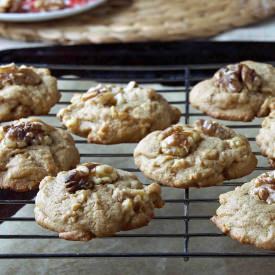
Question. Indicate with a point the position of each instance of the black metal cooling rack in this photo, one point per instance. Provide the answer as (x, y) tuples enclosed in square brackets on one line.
[(176, 66)]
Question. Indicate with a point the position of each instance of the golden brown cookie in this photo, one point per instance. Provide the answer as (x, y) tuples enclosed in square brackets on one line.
[(26, 91), (109, 114), (199, 155), (247, 214), (241, 92), (31, 150), (95, 200), (266, 138)]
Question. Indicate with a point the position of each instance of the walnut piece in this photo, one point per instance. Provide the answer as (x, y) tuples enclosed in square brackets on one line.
[(213, 129), (87, 175), (22, 134), (104, 95), (236, 78), (13, 75), (79, 179), (177, 141), (265, 188)]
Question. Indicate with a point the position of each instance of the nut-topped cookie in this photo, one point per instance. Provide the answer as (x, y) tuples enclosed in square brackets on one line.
[(26, 91), (266, 138), (240, 91), (199, 155), (247, 213), (110, 114), (31, 150), (95, 200)]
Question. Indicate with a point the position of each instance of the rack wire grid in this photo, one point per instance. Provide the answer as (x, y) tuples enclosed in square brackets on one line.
[(182, 228)]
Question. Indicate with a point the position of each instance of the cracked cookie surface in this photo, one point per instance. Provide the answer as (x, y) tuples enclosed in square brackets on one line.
[(109, 114), (247, 213), (199, 155), (30, 150), (95, 200), (26, 91), (238, 92)]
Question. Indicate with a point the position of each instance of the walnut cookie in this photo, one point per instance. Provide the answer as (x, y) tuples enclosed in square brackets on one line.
[(26, 91), (95, 200), (247, 214), (266, 138), (241, 92), (109, 114), (199, 155), (30, 150)]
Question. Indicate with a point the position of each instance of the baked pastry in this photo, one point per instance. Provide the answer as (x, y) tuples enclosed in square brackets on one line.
[(95, 200), (30, 150), (247, 214), (26, 91), (266, 138), (199, 155), (237, 92), (109, 114)]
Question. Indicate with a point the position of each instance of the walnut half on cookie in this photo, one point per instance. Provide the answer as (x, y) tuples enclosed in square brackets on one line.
[(240, 92), (109, 114), (199, 155), (31, 150), (26, 91), (95, 200), (246, 214)]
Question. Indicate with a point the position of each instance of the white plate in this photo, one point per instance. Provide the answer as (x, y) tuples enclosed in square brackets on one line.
[(45, 16)]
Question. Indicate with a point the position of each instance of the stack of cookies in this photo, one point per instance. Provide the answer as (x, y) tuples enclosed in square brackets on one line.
[(89, 200)]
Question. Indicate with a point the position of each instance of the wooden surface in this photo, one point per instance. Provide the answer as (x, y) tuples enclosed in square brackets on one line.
[(143, 20)]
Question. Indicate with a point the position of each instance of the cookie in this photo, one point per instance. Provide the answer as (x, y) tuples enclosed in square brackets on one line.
[(266, 138), (241, 92), (95, 200), (31, 150), (199, 155), (26, 91), (247, 214), (109, 114)]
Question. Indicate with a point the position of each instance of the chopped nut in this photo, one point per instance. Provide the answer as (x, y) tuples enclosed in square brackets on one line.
[(127, 205), (83, 169), (263, 194), (107, 99), (236, 142), (87, 175), (104, 95), (94, 91), (265, 187), (105, 174), (213, 128), (131, 85), (76, 206), (23, 134), (77, 180), (13, 75), (235, 78), (211, 155), (177, 141)]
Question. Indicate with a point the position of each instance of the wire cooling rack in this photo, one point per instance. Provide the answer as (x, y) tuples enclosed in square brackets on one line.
[(182, 228)]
